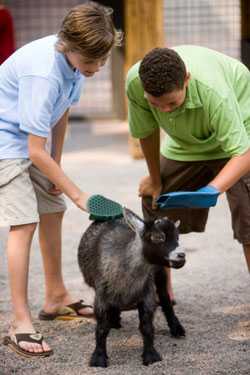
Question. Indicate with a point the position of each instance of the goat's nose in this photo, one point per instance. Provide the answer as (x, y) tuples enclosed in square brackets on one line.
[(181, 255)]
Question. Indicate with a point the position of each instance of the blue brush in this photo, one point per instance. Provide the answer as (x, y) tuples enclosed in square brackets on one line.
[(202, 198)]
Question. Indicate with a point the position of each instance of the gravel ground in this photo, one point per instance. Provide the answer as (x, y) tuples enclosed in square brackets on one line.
[(212, 290)]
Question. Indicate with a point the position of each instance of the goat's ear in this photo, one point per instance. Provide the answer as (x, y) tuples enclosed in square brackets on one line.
[(177, 223), (133, 221)]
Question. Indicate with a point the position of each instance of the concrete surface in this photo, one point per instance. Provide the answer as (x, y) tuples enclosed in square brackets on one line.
[(212, 290)]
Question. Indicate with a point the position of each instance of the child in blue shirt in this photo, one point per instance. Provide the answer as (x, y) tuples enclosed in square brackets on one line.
[(38, 84)]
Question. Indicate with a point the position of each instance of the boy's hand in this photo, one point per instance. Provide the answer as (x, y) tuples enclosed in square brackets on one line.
[(147, 189), (54, 190)]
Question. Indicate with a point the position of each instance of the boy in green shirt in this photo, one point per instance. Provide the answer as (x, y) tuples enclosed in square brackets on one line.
[(201, 99)]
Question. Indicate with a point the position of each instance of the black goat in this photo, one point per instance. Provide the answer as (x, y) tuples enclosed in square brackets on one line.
[(123, 260)]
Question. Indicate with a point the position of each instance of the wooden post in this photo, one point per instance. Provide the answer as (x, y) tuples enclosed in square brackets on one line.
[(245, 32), (118, 83), (117, 61), (144, 30)]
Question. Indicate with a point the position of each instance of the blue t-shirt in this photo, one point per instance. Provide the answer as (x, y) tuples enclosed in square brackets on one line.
[(37, 86)]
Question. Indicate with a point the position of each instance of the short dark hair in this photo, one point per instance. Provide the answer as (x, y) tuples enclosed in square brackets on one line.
[(162, 71)]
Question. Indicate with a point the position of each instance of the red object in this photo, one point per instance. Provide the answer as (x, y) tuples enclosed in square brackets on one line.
[(7, 42)]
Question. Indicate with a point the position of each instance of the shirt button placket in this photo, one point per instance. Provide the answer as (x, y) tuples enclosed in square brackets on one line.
[(172, 123)]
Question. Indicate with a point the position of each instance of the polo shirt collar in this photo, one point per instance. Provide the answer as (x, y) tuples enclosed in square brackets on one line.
[(192, 99), (65, 68)]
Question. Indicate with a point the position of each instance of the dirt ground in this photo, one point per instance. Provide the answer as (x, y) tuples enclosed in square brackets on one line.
[(212, 290)]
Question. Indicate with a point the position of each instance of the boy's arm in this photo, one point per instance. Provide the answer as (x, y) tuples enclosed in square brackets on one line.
[(58, 135), (151, 185), (43, 161), (231, 133), (232, 172)]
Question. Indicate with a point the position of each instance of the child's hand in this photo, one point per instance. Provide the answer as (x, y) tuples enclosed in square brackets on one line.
[(54, 190), (81, 201), (147, 189)]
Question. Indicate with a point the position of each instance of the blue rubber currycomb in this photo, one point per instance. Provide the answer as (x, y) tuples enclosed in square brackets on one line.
[(202, 198), (103, 209)]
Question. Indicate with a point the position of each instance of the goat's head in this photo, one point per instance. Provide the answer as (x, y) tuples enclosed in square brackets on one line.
[(159, 240)]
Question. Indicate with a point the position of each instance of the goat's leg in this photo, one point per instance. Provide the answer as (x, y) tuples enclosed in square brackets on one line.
[(146, 314), (99, 357), (114, 315), (175, 326)]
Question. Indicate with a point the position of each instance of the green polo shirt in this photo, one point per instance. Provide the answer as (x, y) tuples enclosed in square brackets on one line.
[(214, 120)]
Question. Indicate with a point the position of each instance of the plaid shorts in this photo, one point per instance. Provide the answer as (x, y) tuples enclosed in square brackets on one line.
[(24, 193), (180, 175)]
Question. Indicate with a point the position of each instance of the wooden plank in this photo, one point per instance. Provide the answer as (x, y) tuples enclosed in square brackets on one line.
[(118, 83), (144, 30), (245, 17), (245, 32)]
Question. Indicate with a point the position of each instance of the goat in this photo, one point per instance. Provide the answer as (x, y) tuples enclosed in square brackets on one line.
[(124, 260)]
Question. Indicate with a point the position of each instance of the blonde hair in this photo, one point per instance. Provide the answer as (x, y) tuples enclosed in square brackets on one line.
[(89, 30)]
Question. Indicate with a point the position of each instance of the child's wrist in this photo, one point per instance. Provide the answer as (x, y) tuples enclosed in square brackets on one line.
[(80, 199)]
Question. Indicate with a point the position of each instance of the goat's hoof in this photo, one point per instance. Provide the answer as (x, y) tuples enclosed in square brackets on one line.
[(98, 360), (177, 330), (150, 357)]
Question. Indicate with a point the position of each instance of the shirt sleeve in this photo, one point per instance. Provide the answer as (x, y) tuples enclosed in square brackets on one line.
[(228, 125), (140, 118), (36, 101)]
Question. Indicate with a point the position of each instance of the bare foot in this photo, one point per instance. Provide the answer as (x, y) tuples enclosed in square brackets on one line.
[(55, 304)]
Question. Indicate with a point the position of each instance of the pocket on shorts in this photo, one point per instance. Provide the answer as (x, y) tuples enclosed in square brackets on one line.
[(11, 168)]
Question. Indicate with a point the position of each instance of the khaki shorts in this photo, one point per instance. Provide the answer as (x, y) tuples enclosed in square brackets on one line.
[(178, 175), (24, 193)]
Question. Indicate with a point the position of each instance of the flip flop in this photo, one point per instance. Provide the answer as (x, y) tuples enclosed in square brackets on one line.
[(103, 209), (202, 198), (13, 343), (69, 312)]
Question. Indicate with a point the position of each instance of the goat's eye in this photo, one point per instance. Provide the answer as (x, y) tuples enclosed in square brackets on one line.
[(157, 221)]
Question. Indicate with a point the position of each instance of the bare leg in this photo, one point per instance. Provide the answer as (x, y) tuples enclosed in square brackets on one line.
[(18, 250), (247, 255), (169, 285), (50, 229)]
